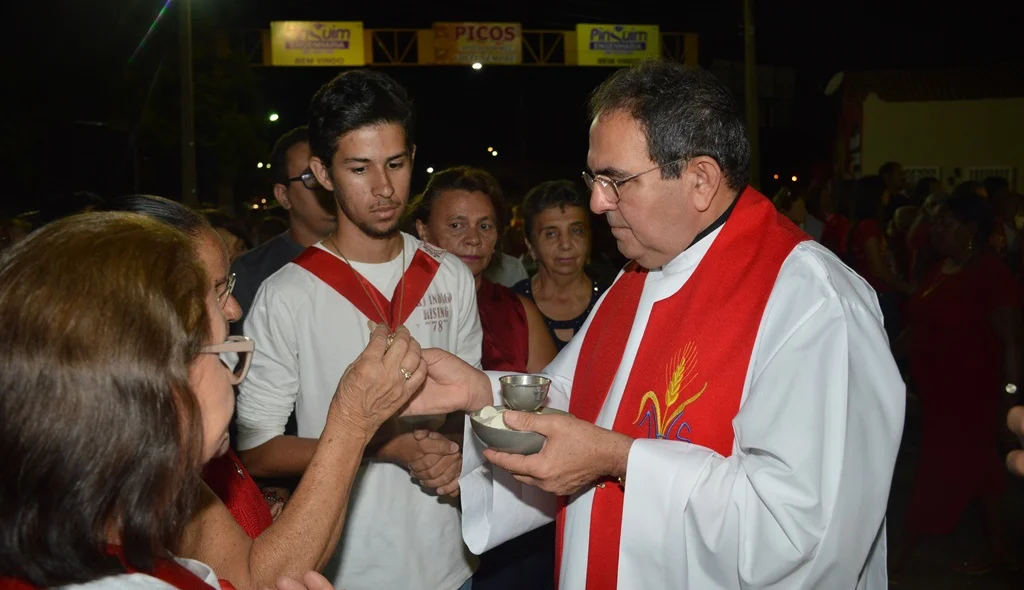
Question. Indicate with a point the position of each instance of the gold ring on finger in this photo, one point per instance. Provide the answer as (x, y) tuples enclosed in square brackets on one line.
[(390, 340), (405, 373)]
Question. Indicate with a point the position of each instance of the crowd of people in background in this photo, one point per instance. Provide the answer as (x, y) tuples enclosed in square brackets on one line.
[(946, 265)]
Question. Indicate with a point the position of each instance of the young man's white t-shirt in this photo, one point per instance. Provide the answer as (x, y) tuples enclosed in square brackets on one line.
[(397, 535)]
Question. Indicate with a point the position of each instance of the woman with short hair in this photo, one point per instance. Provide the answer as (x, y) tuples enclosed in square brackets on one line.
[(463, 211), (558, 237)]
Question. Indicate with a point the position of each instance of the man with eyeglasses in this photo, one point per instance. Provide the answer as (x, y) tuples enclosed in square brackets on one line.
[(735, 412), (297, 190)]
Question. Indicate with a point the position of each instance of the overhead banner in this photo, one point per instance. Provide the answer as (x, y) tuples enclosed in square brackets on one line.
[(484, 43), (616, 45), (301, 43)]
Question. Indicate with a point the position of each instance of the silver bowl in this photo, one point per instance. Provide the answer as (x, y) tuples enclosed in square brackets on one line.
[(519, 442), (525, 393)]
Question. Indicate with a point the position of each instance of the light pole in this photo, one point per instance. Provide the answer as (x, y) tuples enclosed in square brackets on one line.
[(188, 131), (750, 67)]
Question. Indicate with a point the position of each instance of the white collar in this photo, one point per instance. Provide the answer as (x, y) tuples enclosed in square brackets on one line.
[(691, 257)]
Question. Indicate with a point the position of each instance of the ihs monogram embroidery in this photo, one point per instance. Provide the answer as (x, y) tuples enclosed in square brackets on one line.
[(666, 422)]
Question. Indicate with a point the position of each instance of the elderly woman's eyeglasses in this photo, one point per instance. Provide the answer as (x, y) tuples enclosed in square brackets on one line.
[(236, 354), (603, 182), (225, 293), (308, 180)]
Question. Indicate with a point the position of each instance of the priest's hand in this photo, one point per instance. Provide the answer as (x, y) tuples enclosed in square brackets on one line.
[(1015, 420), (452, 385), (576, 453)]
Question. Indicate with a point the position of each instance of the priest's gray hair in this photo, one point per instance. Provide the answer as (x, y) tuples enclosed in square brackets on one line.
[(684, 113)]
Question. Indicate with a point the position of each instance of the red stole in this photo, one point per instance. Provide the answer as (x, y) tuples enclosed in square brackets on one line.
[(506, 335), (166, 570), (230, 480), (354, 287), (688, 376)]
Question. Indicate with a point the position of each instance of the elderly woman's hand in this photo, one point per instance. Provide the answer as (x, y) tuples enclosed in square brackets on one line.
[(310, 581), (379, 382)]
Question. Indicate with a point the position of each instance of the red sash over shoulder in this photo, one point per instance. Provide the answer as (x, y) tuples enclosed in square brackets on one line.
[(172, 572), (688, 375), (506, 334), (346, 281), (230, 480)]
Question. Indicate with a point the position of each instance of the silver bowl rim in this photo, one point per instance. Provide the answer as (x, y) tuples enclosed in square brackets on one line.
[(542, 380), (475, 414)]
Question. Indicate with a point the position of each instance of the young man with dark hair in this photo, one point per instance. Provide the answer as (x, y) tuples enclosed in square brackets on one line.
[(311, 319)]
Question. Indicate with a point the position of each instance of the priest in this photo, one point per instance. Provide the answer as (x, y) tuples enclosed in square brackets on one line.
[(735, 410)]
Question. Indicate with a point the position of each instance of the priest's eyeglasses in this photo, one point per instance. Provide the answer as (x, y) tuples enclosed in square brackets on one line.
[(308, 180), (235, 353), (603, 182)]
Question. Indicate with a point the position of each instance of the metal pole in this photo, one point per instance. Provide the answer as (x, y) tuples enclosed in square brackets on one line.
[(751, 93), (524, 144), (188, 132)]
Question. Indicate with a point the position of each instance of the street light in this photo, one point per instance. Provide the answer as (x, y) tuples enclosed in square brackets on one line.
[(794, 178), (494, 153), (259, 164), (478, 66), (188, 125), (274, 117), (430, 169)]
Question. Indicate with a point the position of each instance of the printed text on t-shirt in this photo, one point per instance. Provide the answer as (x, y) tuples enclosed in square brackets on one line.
[(437, 310)]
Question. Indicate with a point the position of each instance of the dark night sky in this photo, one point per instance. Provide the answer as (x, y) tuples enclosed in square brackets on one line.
[(69, 63)]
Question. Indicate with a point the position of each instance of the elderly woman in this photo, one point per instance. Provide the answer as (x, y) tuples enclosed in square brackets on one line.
[(462, 211), (112, 319), (232, 528), (558, 238)]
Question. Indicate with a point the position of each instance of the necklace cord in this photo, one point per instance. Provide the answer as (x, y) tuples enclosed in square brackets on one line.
[(360, 280)]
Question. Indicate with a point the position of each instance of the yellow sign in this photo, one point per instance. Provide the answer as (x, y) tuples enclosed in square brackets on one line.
[(616, 45), (297, 43), (484, 43)]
